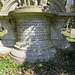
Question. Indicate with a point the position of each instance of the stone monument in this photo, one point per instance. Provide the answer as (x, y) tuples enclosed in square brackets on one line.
[(33, 31)]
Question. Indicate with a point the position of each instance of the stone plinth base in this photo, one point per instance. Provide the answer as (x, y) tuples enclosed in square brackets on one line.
[(32, 56)]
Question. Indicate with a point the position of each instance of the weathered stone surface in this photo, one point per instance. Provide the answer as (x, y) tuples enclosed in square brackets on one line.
[(32, 56), (31, 31), (58, 39), (33, 37), (9, 38)]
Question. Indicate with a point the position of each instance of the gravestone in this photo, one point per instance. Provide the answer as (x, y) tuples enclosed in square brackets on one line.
[(33, 32), (72, 34)]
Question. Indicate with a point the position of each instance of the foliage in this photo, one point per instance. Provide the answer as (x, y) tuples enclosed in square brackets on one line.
[(64, 2), (7, 66), (1, 34), (65, 32), (72, 22), (70, 39), (70, 6), (63, 62)]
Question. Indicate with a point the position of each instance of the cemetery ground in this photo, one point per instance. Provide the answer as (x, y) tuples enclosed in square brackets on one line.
[(67, 33), (62, 63)]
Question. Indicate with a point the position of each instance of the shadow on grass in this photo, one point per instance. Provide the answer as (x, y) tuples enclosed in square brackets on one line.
[(63, 63)]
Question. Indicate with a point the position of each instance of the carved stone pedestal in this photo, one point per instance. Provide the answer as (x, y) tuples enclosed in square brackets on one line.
[(33, 32)]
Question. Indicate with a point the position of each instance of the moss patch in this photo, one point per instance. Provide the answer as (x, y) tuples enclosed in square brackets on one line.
[(1, 34), (70, 39), (65, 32)]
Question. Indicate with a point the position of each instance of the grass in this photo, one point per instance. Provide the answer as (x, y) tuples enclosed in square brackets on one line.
[(70, 39), (1, 34), (65, 32), (8, 66), (63, 63)]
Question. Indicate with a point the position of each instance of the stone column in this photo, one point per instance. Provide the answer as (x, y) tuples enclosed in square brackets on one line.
[(20, 3), (25, 2), (29, 2), (41, 2), (36, 2)]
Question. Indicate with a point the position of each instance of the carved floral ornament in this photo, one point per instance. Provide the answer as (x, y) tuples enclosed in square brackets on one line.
[(9, 5), (24, 2), (36, 2)]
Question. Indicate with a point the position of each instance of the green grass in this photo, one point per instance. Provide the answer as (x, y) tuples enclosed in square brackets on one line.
[(1, 34), (70, 39), (62, 63), (65, 32), (8, 66)]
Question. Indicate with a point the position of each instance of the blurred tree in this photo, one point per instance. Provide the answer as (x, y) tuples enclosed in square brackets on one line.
[(64, 2), (71, 8), (74, 5)]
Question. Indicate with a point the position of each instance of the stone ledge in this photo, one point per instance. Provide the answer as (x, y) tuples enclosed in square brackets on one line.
[(22, 56), (66, 14)]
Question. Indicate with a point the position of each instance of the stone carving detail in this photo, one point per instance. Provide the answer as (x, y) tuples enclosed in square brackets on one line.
[(42, 2), (36, 2), (8, 5), (51, 6)]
